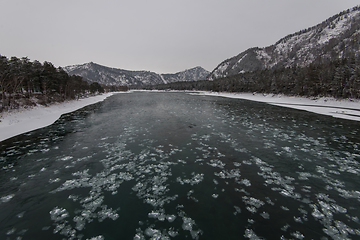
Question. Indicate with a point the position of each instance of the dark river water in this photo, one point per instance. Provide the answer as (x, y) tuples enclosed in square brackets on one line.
[(179, 166)]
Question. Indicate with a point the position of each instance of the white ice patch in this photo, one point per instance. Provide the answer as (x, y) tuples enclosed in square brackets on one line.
[(196, 179), (188, 225), (7, 198), (216, 163), (250, 234), (58, 214), (232, 174), (253, 204), (100, 237)]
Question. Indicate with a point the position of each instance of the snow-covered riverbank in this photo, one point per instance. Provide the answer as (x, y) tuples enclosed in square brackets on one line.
[(346, 109), (21, 121)]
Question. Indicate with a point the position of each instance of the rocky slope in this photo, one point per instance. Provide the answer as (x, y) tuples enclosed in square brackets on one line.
[(337, 37), (93, 72)]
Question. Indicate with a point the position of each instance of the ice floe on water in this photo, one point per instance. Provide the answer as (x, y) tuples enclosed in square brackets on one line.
[(7, 198)]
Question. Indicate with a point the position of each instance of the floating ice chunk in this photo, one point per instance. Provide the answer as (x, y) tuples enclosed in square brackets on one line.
[(251, 209), (265, 215), (320, 169), (247, 162), (138, 187), (172, 232), (298, 235), (355, 219), (287, 149), (196, 179), (107, 213), (188, 225), (215, 195), (268, 200), (153, 214), (11, 231), (170, 218), (246, 182), (20, 215), (139, 236), (94, 203), (250, 234), (100, 237), (58, 214), (285, 228), (80, 222), (216, 163), (284, 208), (236, 164), (150, 201), (332, 231), (160, 215), (7, 198), (317, 214), (54, 180), (253, 201), (306, 189), (154, 233), (224, 174), (237, 210), (66, 158)]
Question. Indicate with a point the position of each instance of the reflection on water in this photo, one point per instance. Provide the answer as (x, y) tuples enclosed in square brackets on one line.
[(177, 166)]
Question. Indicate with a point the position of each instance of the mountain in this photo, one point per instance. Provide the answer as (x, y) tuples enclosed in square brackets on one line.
[(337, 37), (193, 74), (93, 72)]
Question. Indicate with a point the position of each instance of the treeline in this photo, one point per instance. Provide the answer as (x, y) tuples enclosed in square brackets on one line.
[(339, 79), (24, 83)]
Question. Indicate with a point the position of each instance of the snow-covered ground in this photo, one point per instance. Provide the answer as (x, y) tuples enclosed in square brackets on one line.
[(346, 109), (17, 122)]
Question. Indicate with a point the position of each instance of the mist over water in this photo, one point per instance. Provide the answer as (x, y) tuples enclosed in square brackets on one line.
[(178, 166)]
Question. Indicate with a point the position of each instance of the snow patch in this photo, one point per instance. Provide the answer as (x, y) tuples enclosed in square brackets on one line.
[(345, 109), (25, 120)]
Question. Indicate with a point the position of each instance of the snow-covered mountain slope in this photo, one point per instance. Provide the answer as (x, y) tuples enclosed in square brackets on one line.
[(93, 72), (337, 37), (193, 74)]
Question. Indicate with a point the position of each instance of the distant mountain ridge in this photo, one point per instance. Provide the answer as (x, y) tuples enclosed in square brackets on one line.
[(336, 37), (93, 72)]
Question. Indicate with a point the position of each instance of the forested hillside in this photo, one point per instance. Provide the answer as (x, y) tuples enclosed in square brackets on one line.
[(93, 72), (339, 79), (323, 60), (335, 38), (26, 83)]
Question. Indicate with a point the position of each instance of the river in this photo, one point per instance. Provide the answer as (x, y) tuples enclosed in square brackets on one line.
[(177, 166)]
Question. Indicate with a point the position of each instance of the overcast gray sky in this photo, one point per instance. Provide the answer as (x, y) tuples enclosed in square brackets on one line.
[(164, 36)]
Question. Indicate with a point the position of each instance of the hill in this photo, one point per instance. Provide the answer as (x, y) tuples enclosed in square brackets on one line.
[(335, 38), (93, 72)]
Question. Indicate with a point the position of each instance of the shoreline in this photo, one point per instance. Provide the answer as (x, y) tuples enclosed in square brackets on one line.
[(345, 108), (21, 121), (25, 120)]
